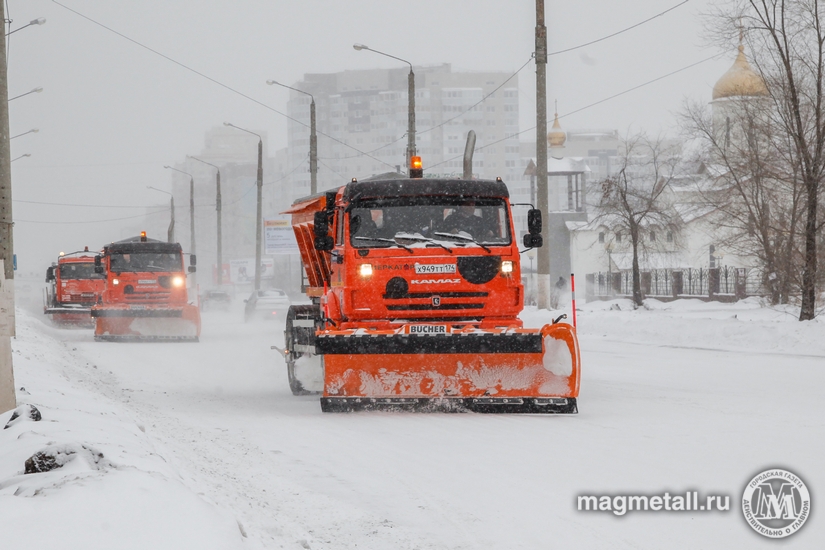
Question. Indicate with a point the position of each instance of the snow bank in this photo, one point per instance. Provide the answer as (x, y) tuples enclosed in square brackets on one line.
[(748, 325), (113, 489)]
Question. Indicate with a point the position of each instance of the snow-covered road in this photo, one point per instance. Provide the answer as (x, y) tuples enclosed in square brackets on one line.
[(657, 413)]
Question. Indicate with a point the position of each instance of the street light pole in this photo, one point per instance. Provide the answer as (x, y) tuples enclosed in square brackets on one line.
[(191, 208), (258, 219), (21, 156), (411, 102), (218, 209), (35, 91), (313, 138), (170, 234)]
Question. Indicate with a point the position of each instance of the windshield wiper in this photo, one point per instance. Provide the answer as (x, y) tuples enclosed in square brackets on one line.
[(383, 240), (463, 238), (422, 238)]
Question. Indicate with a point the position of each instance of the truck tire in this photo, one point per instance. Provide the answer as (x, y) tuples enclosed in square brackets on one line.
[(296, 337)]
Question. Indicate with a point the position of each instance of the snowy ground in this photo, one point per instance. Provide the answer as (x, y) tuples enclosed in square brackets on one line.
[(205, 447)]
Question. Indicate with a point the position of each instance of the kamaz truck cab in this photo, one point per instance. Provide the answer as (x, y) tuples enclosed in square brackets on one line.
[(145, 296)]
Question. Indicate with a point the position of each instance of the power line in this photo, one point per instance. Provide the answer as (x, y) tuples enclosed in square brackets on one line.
[(95, 221), (374, 150), (480, 101), (586, 106), (82, 205), (549, 54), (209, 78), (618, 32)]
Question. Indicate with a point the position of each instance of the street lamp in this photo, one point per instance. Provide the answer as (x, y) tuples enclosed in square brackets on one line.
[(35, 91), (170, 233), (258, 221), (32, 131), (218, 209), (38, 21), (313, 138), (411, 96), (21, 156)]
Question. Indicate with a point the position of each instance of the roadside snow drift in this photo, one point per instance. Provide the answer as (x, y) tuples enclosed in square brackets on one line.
[(97, 481)]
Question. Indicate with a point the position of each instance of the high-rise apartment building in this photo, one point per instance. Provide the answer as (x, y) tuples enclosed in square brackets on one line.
[(361, 119)]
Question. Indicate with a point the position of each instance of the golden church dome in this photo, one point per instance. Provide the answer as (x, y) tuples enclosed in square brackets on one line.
[(556, 137), (740, 80)]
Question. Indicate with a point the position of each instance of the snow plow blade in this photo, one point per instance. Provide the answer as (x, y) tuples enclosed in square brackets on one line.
[(68, 310), (153, 324), (488, 371)]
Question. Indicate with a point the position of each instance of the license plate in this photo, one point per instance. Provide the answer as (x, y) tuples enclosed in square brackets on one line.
[(427, 329), (137, 306), (434, 268), (146, 281)]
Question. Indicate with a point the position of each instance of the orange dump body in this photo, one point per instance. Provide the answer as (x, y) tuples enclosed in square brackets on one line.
[(74, 288), (413, 315), (145, 296)]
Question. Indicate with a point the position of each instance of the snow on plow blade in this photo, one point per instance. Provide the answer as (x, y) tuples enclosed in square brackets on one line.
[(487, 371), (124, 324)]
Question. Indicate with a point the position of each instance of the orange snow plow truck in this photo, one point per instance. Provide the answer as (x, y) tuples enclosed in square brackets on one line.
[(416, 291), (145, 296), (74, 287)]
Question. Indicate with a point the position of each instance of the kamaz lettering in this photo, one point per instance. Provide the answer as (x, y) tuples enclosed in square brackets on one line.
[(435, 281)]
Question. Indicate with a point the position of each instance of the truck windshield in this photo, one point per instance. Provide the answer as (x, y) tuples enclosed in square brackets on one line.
[(79, 271), (378, 223), (145, 261)]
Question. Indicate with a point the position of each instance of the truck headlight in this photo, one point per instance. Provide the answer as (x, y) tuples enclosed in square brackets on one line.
[(177, 281), (506, 266), (365, 270), (115, 281)]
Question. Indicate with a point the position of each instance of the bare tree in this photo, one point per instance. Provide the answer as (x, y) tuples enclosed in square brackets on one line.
[(787, 39), (752, 192), (637, 198)]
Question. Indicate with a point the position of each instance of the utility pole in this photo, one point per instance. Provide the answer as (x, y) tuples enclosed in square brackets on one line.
[(8, 400), (543, 263), (313, 154), (258, 221), (218, 209), (191, 217)]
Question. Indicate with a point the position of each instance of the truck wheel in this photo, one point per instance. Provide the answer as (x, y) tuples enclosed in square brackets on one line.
[(305, 370)]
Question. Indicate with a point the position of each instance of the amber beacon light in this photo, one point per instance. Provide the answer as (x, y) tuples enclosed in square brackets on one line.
[(416, 169)]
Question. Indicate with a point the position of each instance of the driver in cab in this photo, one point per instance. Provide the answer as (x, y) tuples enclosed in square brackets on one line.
[(464, 219)]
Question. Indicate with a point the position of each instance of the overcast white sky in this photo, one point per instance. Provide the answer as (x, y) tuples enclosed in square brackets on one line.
[(112, 113)]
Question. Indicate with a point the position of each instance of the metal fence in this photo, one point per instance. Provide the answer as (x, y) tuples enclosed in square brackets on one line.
[(718, 283)]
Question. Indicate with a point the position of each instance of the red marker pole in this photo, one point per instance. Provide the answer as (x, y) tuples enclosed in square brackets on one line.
[(573, 293)]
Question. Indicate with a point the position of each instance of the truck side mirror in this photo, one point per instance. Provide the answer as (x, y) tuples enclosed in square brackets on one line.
[(97, 260), (193, 260), (50, 274), (324, 243), (192, 269), (99, 269), (534, 221), (321, 224), (533, 241)]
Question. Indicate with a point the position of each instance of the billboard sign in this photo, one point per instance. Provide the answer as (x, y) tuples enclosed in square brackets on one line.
[(279, 238)]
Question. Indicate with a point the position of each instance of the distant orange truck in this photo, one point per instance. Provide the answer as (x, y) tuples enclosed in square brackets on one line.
[(73, 289)]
